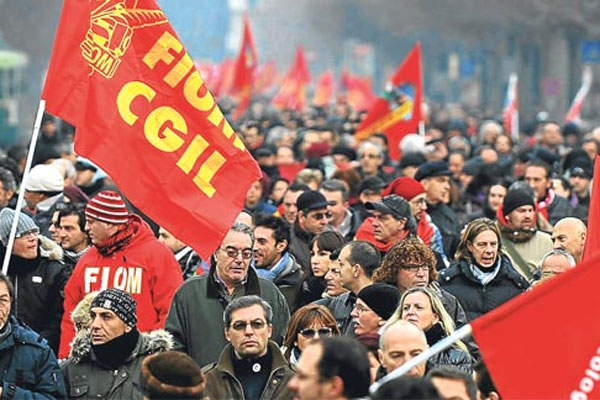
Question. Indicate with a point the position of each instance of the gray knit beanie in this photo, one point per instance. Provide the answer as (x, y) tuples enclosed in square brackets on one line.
[(7, 216)]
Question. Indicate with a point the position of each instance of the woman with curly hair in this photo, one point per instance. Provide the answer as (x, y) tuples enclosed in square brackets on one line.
[(411, 263), (307, 323)]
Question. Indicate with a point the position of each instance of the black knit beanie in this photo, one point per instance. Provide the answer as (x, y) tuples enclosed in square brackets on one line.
[(381, 298), (516, 198)]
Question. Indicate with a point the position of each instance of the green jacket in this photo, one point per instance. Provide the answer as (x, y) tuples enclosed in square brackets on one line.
[(196, 316), (222, 384), (86, 378)]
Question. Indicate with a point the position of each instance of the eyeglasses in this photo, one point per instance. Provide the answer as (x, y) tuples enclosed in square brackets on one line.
[(320, 216), (256, 325), (310, 333), (370, 156), (232, 252), (414, 268), (31, 232)]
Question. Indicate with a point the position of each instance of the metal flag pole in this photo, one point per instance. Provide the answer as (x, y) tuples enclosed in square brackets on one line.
[(424, 356), (13, 228)]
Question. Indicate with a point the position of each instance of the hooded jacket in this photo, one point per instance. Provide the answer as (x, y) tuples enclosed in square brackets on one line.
[(145, 268), (87, 378), (196, 316), (222, 384), (30, 369), (39, 285)]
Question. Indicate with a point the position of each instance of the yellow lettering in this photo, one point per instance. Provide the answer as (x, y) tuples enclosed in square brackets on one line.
[(168, 141), (104, 63), (120, 278), (216, 116), (207, 171), (127, 94), (180, 70), (161, 50), (190, 91), (191, 154), (227, 130)]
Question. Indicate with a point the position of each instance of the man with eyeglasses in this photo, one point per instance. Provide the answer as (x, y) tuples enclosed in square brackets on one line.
[(195, 318), (371, 158), (251, 366), (38, 274), (313, 218), (555, 262)]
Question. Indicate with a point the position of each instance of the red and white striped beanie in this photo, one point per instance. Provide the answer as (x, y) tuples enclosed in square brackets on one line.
[(107, 206)]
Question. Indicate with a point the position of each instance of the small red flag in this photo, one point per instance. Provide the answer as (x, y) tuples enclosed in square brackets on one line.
[(545, 343), (121, 76), (324, 89), (400, 114), (266, 76), (358, 91), (573, 115), (244, 71), (511, 107), (592, 238), (292, 94)]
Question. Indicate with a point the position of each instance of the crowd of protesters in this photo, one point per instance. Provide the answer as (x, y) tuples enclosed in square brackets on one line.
[(343, 265)]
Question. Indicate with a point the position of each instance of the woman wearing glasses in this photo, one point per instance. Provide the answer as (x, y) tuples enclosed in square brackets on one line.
[(307, 323), (423, 308), (481, 277)]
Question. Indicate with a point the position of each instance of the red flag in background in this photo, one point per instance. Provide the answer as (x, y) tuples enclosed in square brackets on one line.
[(121, 76), (545, 343), (210, 75), (511, 107), (266, 76), (244, 71), (592, 238), (358, 91), (400, 113), (226, 74), (573, 115), (292, 94), (324, 89)]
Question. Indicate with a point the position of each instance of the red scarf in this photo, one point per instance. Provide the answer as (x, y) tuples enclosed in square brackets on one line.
[(425, 229), (365, 232), (119, 240), (542, 206)]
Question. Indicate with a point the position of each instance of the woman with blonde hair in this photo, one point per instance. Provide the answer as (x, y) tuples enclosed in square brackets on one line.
[(481, 277), (423, 308), (310, 322)]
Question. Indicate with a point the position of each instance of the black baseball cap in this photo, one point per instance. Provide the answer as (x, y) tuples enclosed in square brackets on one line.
[(371, 184), (311, 200), (392, 204)]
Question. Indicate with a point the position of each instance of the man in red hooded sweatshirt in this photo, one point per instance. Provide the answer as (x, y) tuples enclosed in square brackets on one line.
[(126, 255)]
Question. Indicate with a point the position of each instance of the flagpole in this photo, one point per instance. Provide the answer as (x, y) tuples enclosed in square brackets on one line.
[(13, 228), (440, 346)]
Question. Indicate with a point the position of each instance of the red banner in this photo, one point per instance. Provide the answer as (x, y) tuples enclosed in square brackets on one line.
[(324, 89), (119, 73), (545, 343), (244, 71), (292, 94), (266, 76), (400, 113), (358, 91), (592, 238)]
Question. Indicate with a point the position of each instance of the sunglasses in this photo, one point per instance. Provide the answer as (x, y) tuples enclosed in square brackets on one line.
[(320, 216), (233, 253), (256, 325), (310, 333)]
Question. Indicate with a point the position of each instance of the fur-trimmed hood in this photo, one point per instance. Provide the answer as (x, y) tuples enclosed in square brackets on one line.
[(156, 341), (50, 249)]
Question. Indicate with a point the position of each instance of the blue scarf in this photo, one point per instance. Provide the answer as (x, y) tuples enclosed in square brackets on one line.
[(273, 273)]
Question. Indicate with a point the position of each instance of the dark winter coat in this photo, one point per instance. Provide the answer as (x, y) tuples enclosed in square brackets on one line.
[(222, 384), (451, 357), (341, 306), (447, 222), (196, 316), (39, 289), (87, 378), (475, 298), (300, 246), (559, 209), (30, 369)]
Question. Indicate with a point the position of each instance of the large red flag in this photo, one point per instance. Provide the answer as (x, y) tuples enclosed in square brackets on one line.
[(545, 343), (324, 89), (121, 76), (244, 70), (592, 238), (292, 94), (358, 91), (400, 113)]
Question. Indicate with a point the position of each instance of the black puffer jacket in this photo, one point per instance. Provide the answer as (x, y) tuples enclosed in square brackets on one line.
[(452, 356), (39, 289), (475, 298), (447, 221)]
